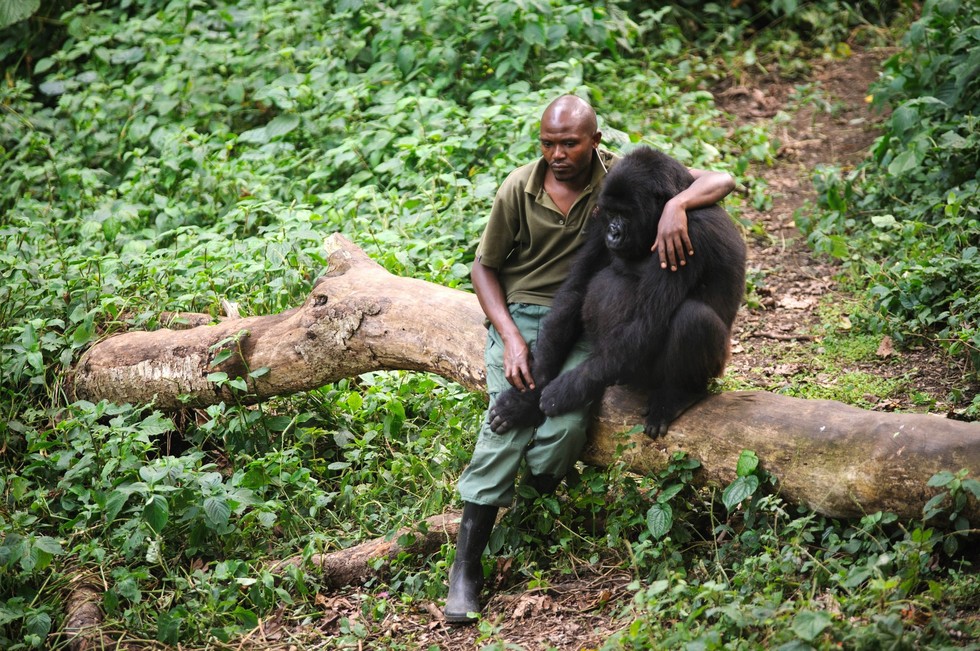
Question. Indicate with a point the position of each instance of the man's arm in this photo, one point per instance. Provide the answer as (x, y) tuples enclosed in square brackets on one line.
[(672, 243), (517, 355)]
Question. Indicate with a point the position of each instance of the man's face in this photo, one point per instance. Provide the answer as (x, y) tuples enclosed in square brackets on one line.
[(567, 147)]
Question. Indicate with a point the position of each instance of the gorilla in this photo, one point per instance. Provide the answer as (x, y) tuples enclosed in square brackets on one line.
[(666, 333)]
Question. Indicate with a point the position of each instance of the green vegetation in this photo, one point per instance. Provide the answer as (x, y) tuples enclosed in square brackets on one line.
[(906, 223), (165, 155)]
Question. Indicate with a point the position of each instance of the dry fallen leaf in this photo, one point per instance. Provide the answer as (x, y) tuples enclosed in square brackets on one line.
[(885, 348), (795, 303), (532, 604)]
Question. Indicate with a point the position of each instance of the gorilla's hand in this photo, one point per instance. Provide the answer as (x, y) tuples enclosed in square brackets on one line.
[(513, 409), (562, 395), (656, 427)]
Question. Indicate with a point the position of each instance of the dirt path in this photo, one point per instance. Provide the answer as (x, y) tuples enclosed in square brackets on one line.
[(833, 124)]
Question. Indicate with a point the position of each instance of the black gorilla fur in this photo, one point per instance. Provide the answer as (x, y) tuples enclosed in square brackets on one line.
[(667, 333)]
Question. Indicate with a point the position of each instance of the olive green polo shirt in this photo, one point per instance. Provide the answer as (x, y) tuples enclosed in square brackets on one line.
[(528, 240)]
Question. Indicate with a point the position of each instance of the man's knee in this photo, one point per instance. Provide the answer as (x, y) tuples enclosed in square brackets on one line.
[(558, 444)]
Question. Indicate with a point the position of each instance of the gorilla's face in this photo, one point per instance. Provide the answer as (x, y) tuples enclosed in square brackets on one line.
[(617, 233), (627, 235)]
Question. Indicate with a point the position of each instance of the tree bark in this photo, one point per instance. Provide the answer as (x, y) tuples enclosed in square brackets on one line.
[(838, 460), (84, 618), (371, 559)]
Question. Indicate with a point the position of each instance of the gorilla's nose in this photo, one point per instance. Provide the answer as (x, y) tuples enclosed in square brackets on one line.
[(614, 234)]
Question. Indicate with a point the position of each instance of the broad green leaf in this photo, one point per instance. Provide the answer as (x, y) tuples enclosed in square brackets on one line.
[(257, 136), (905, 118), (660, 518), (14, 11), (932, 508), (278, 423), (405, 59), (534, 33), (156, 513), (156, 424), (48, 544), (43, 65), (169, 624), (739, 490), (884, 221), (281, 125), (668, 493), (973, 486), (941, 478), (152, 474), (53, 87), (247, 618), (748, 461), (809, 625), (905, 162), (114, 503), (83, 333), (785, 7), (222, 356), (38, 623), (951, 139), (216, 511)]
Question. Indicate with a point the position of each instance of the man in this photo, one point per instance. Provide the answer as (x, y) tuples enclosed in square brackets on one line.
[(535, 227)]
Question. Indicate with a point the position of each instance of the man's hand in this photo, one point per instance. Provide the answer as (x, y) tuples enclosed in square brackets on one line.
[(517, 364), (673, 244)]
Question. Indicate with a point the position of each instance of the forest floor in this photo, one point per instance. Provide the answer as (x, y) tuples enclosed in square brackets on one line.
[(836, 126)]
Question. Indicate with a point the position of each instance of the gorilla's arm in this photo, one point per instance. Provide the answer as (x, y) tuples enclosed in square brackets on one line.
[(560, 329), (563, 326), (635, 321)]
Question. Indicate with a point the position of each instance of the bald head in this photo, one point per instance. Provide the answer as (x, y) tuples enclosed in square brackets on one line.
[(570, 112), (569, 136)]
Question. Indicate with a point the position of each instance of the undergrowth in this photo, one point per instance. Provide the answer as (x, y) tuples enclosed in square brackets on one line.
[(905, 222), (169, 155)]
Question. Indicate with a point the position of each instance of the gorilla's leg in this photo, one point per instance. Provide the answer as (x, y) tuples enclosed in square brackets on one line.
[(695, 351)]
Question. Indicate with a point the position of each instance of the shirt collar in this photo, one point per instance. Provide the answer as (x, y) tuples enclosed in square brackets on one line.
[(600, 162)]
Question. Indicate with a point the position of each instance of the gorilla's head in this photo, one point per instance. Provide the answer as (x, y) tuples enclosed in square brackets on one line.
[(633, 196)]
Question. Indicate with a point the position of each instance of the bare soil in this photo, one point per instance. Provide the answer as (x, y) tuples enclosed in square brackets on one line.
[(585, 609), (836, 127)]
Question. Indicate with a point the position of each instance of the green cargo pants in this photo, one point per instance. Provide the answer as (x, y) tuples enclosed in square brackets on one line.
[(552, 448)]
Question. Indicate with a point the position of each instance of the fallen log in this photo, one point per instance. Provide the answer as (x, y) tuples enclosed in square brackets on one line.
[(371, 559), (838, 460), (84, 619)]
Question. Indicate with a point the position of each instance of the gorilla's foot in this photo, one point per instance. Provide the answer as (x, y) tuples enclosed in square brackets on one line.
[(562, 395), (513, 409), (661, 414)]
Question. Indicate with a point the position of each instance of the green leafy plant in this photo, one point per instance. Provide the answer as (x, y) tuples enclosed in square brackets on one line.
[(167, 156), (905, 222)]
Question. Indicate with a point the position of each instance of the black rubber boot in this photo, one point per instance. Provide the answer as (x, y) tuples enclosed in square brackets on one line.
[(466, 574)]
